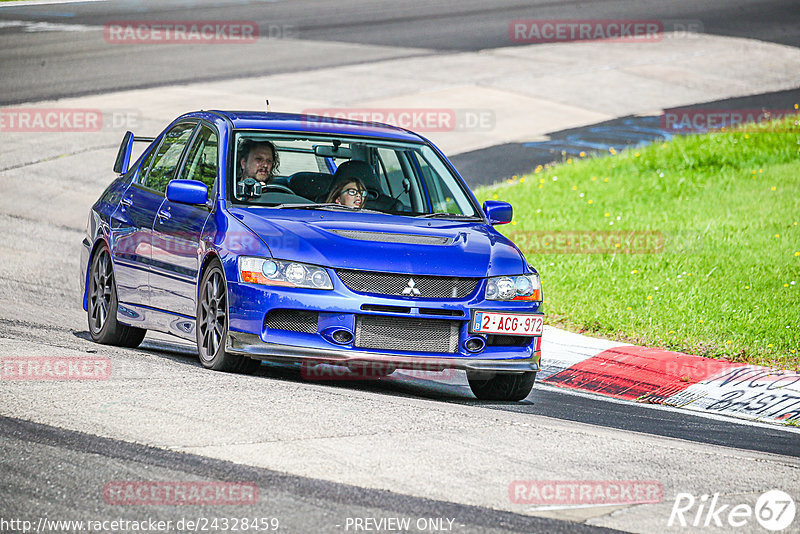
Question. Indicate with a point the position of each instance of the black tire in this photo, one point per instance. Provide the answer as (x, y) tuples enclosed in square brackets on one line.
[(212, 325), (101, 308), (501, 386)]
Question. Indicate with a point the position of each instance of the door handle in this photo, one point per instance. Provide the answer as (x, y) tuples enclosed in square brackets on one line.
[(127, 202), (164, 215)]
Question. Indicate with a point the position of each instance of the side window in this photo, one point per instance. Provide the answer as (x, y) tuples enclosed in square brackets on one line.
[(168, 156), (202, 161)]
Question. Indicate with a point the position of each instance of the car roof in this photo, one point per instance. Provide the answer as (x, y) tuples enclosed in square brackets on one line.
[(296, 122)]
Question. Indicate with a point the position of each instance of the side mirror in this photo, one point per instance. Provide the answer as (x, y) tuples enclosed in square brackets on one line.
[(498, 212), (187, 192), (124, 154)]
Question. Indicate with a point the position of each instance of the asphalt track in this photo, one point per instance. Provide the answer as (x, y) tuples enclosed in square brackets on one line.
[(66, 54)]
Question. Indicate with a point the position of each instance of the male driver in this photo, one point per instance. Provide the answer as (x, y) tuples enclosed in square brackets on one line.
[(258, 160)]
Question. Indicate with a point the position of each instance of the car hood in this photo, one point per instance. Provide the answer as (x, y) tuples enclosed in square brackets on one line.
[(384, 243)]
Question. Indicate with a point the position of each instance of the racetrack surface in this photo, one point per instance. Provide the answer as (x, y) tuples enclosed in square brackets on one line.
[(66, 54), (320, 452)]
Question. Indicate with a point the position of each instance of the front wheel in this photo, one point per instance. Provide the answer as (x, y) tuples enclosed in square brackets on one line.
[(501, 386), (101, 306), (212, 326)]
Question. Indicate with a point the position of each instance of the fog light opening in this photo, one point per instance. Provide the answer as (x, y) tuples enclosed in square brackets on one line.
[(343, 337), (475, 344)]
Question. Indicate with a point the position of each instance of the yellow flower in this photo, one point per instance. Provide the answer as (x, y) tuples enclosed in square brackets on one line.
[(700, 321), (630, 308), (728, 342), (617, 245), (590, 201), (785, 285), (636, 155), (649, 297), (575, 188), (747, 287), (796, 106), (522, 180), (612, 150), (538, 169), (769, 346), (754, 172), (594, 178), (495, 196), (569, 160), (513, 222), (634, 271), (606, 214), (605, 179), (541, 186), (760, 171), (747, 136), (582, 154), (773, 188), (797, 253), (777, 235), (541, 180), (672, 331)]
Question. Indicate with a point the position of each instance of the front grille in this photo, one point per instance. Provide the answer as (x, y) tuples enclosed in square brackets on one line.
[(293, 320), (406, 285), (400, 333)]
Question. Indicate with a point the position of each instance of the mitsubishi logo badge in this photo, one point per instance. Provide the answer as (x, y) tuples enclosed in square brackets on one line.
[(411, 289)]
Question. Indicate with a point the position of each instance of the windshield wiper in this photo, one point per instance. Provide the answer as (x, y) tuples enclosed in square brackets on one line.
[(449, 216)]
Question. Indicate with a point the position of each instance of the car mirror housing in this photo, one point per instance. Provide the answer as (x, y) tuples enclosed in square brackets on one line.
[(187, 192), (498, 212)]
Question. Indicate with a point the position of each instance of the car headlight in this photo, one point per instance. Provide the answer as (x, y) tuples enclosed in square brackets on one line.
[(523, 287), (283, 273)]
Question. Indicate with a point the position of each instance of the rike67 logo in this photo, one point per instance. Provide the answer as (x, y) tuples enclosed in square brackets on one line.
[(774, 510)]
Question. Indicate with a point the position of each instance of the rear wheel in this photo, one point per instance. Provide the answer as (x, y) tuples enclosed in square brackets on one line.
[(102, 303), (501, 386), (212, 325)]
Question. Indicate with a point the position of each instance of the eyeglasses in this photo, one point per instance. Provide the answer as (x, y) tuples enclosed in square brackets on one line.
[(354, 192)]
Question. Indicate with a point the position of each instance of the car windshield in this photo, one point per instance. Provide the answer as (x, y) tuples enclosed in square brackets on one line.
[(324, 172)]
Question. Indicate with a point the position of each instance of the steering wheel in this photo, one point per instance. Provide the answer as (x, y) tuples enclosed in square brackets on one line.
[(277, 187)]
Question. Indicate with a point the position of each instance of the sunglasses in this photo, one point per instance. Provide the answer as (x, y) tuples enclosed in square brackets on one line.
[(354, 192)]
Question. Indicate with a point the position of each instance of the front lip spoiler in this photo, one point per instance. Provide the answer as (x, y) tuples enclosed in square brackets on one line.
[(252, 346)]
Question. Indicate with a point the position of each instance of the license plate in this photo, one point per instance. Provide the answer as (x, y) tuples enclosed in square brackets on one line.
[(515, 324)]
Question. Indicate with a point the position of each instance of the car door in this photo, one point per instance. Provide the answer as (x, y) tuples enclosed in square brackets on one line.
[(177, 231), (132, 231)]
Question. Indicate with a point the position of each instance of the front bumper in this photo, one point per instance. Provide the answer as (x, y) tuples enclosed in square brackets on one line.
[(252, 346), (249, 334)]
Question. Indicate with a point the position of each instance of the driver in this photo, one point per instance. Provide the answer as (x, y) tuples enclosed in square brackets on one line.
[(258, 160)]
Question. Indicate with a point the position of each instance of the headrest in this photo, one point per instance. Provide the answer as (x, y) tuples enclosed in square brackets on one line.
[(360, 170), (312, 185)]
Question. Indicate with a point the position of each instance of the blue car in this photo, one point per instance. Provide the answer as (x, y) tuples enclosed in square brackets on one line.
[(294, 238)]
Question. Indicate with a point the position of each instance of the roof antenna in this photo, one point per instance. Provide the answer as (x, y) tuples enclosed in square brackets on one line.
[(268, 110)]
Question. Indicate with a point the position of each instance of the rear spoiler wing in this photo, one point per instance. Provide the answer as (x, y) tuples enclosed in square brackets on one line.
[(125, 149)]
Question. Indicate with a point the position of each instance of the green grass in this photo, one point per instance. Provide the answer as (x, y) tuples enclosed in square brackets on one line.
[(725, 281)]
